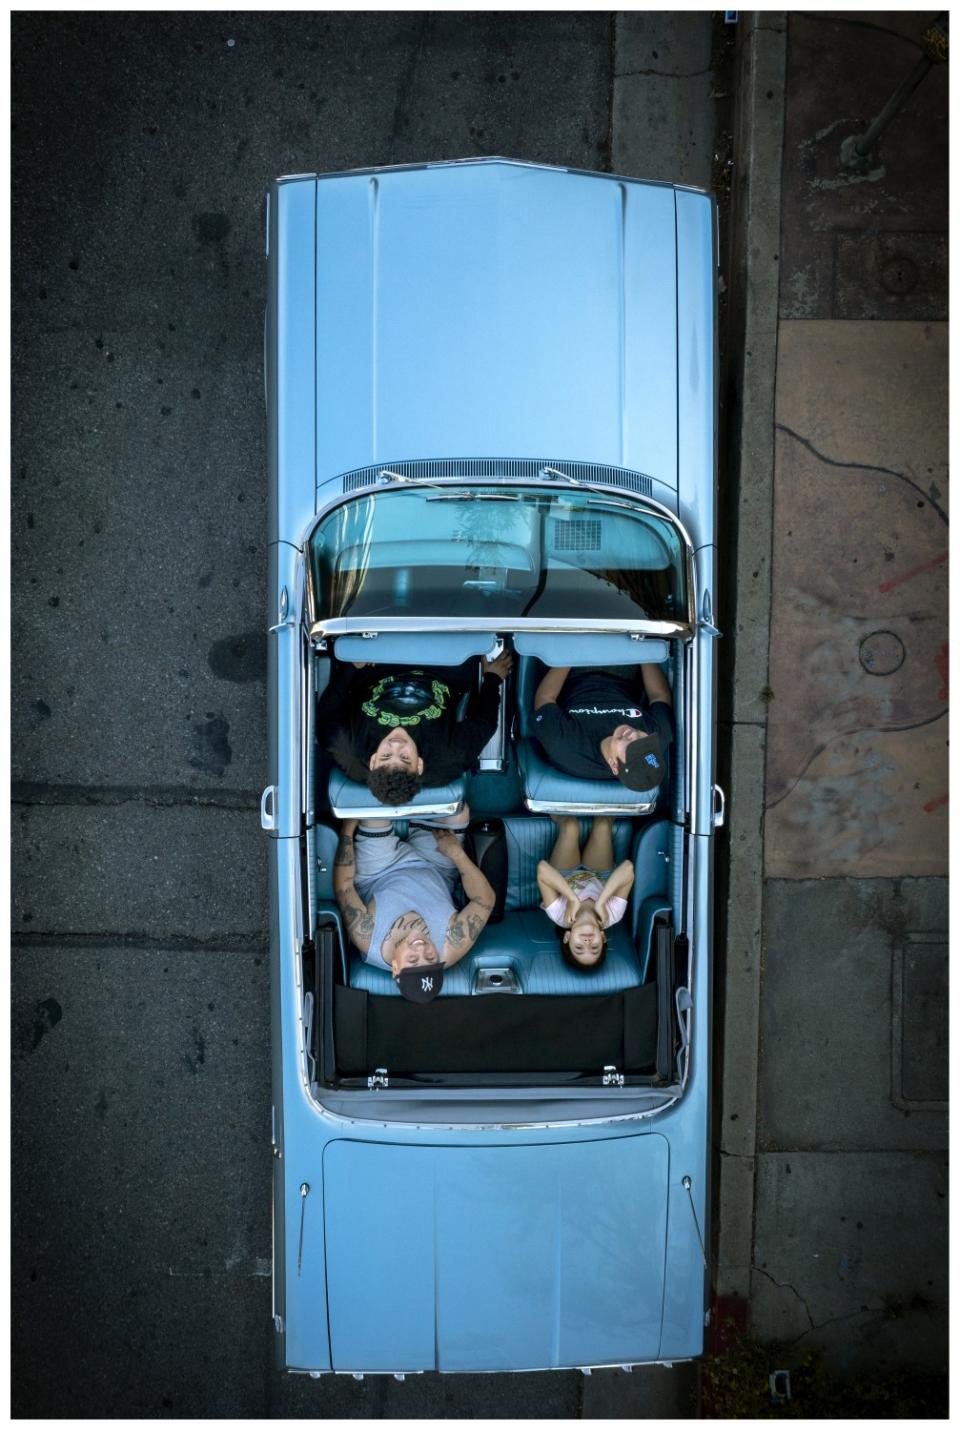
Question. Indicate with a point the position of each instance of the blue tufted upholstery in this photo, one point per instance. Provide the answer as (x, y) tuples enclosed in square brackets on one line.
[(651, 860), (525, 940), (530, 840), (325, 845)]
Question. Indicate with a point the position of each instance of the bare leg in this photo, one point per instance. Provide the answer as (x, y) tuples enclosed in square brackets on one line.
[(566, 851), (598, 850)]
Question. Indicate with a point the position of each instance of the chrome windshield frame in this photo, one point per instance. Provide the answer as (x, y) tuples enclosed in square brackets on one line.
[(572, 625), (342, 625)]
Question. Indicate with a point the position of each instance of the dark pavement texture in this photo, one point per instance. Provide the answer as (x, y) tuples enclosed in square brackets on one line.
[(142, 145), (880, 1036), (870, 245), (850, 1212), (141, 151), (832, 1213)]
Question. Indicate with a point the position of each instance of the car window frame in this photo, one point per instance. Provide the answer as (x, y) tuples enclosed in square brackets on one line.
[(320, 627)]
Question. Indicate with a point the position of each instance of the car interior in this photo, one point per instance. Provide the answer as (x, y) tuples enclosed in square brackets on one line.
[(512, 1011)]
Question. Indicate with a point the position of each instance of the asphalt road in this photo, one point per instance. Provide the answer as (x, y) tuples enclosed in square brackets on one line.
[(142, 144)]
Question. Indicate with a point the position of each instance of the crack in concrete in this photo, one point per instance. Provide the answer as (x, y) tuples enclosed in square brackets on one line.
[(864, 467), (840, 1149), (857, 730), (847, 1316), (659, 74), (213, 1275), (243, 942), (882, 729), (860, 24), (606, 159), (405, 88), (785, 1286), (29, 793)]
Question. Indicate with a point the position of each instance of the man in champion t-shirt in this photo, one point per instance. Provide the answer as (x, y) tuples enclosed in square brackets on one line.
[(597, 724)]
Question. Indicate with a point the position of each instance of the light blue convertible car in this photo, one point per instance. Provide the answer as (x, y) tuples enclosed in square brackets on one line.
[(491, 397)]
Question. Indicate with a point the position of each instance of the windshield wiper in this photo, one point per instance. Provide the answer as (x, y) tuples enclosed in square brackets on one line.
[(402, 479), (556, 472), (611, 501), (478, 496)]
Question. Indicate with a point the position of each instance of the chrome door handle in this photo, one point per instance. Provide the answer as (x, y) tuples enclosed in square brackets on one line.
[(705, 623), (268, 816), (719, 807)]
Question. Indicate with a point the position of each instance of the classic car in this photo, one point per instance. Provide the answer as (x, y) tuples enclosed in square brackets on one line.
[(491, 418)]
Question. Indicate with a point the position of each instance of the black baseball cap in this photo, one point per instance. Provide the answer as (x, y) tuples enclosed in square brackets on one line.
[(422, 983), (644, 767)]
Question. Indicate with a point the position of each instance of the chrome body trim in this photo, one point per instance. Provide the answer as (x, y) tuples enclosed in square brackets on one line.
[(393, 811), (621, 811), (573, 625)]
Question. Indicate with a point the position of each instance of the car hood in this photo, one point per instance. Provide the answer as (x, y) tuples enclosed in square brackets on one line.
[(507, 1258), (495, 309)]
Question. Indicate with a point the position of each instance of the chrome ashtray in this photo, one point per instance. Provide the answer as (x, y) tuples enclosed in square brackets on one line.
[(496, 980)]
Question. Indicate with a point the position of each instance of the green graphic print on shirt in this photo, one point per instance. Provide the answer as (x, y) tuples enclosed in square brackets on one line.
[(407, 700)]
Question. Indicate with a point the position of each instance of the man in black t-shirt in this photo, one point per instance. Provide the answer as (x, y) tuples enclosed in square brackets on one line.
[(395, 728), (593, 723)]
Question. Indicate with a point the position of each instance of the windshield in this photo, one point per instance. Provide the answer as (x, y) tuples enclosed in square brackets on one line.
[(499, 552)]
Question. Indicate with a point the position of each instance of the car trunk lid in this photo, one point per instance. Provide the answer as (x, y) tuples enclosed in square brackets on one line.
[(495, 1258)]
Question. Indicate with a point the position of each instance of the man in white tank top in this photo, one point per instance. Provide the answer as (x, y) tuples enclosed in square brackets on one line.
[(395, 896)]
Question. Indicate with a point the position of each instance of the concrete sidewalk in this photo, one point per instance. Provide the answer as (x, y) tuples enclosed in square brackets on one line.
[(832, 1214)]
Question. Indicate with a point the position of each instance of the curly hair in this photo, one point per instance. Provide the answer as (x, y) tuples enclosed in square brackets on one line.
[(393, 786)]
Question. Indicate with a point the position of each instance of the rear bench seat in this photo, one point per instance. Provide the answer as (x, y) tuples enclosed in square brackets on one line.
[(524, 946)]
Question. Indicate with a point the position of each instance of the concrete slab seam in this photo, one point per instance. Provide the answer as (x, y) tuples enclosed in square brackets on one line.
[(760, 140), (761, 82), (744, 919), (32, 793)]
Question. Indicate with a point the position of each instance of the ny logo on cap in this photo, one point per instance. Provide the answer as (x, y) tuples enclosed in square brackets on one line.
[(652, 760), (426, 985)]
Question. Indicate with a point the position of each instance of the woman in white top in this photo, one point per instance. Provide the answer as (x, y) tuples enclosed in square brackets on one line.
[(582, 892)]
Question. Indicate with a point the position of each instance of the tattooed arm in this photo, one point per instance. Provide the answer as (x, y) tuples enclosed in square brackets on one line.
[(465, 927), (357, 915)]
